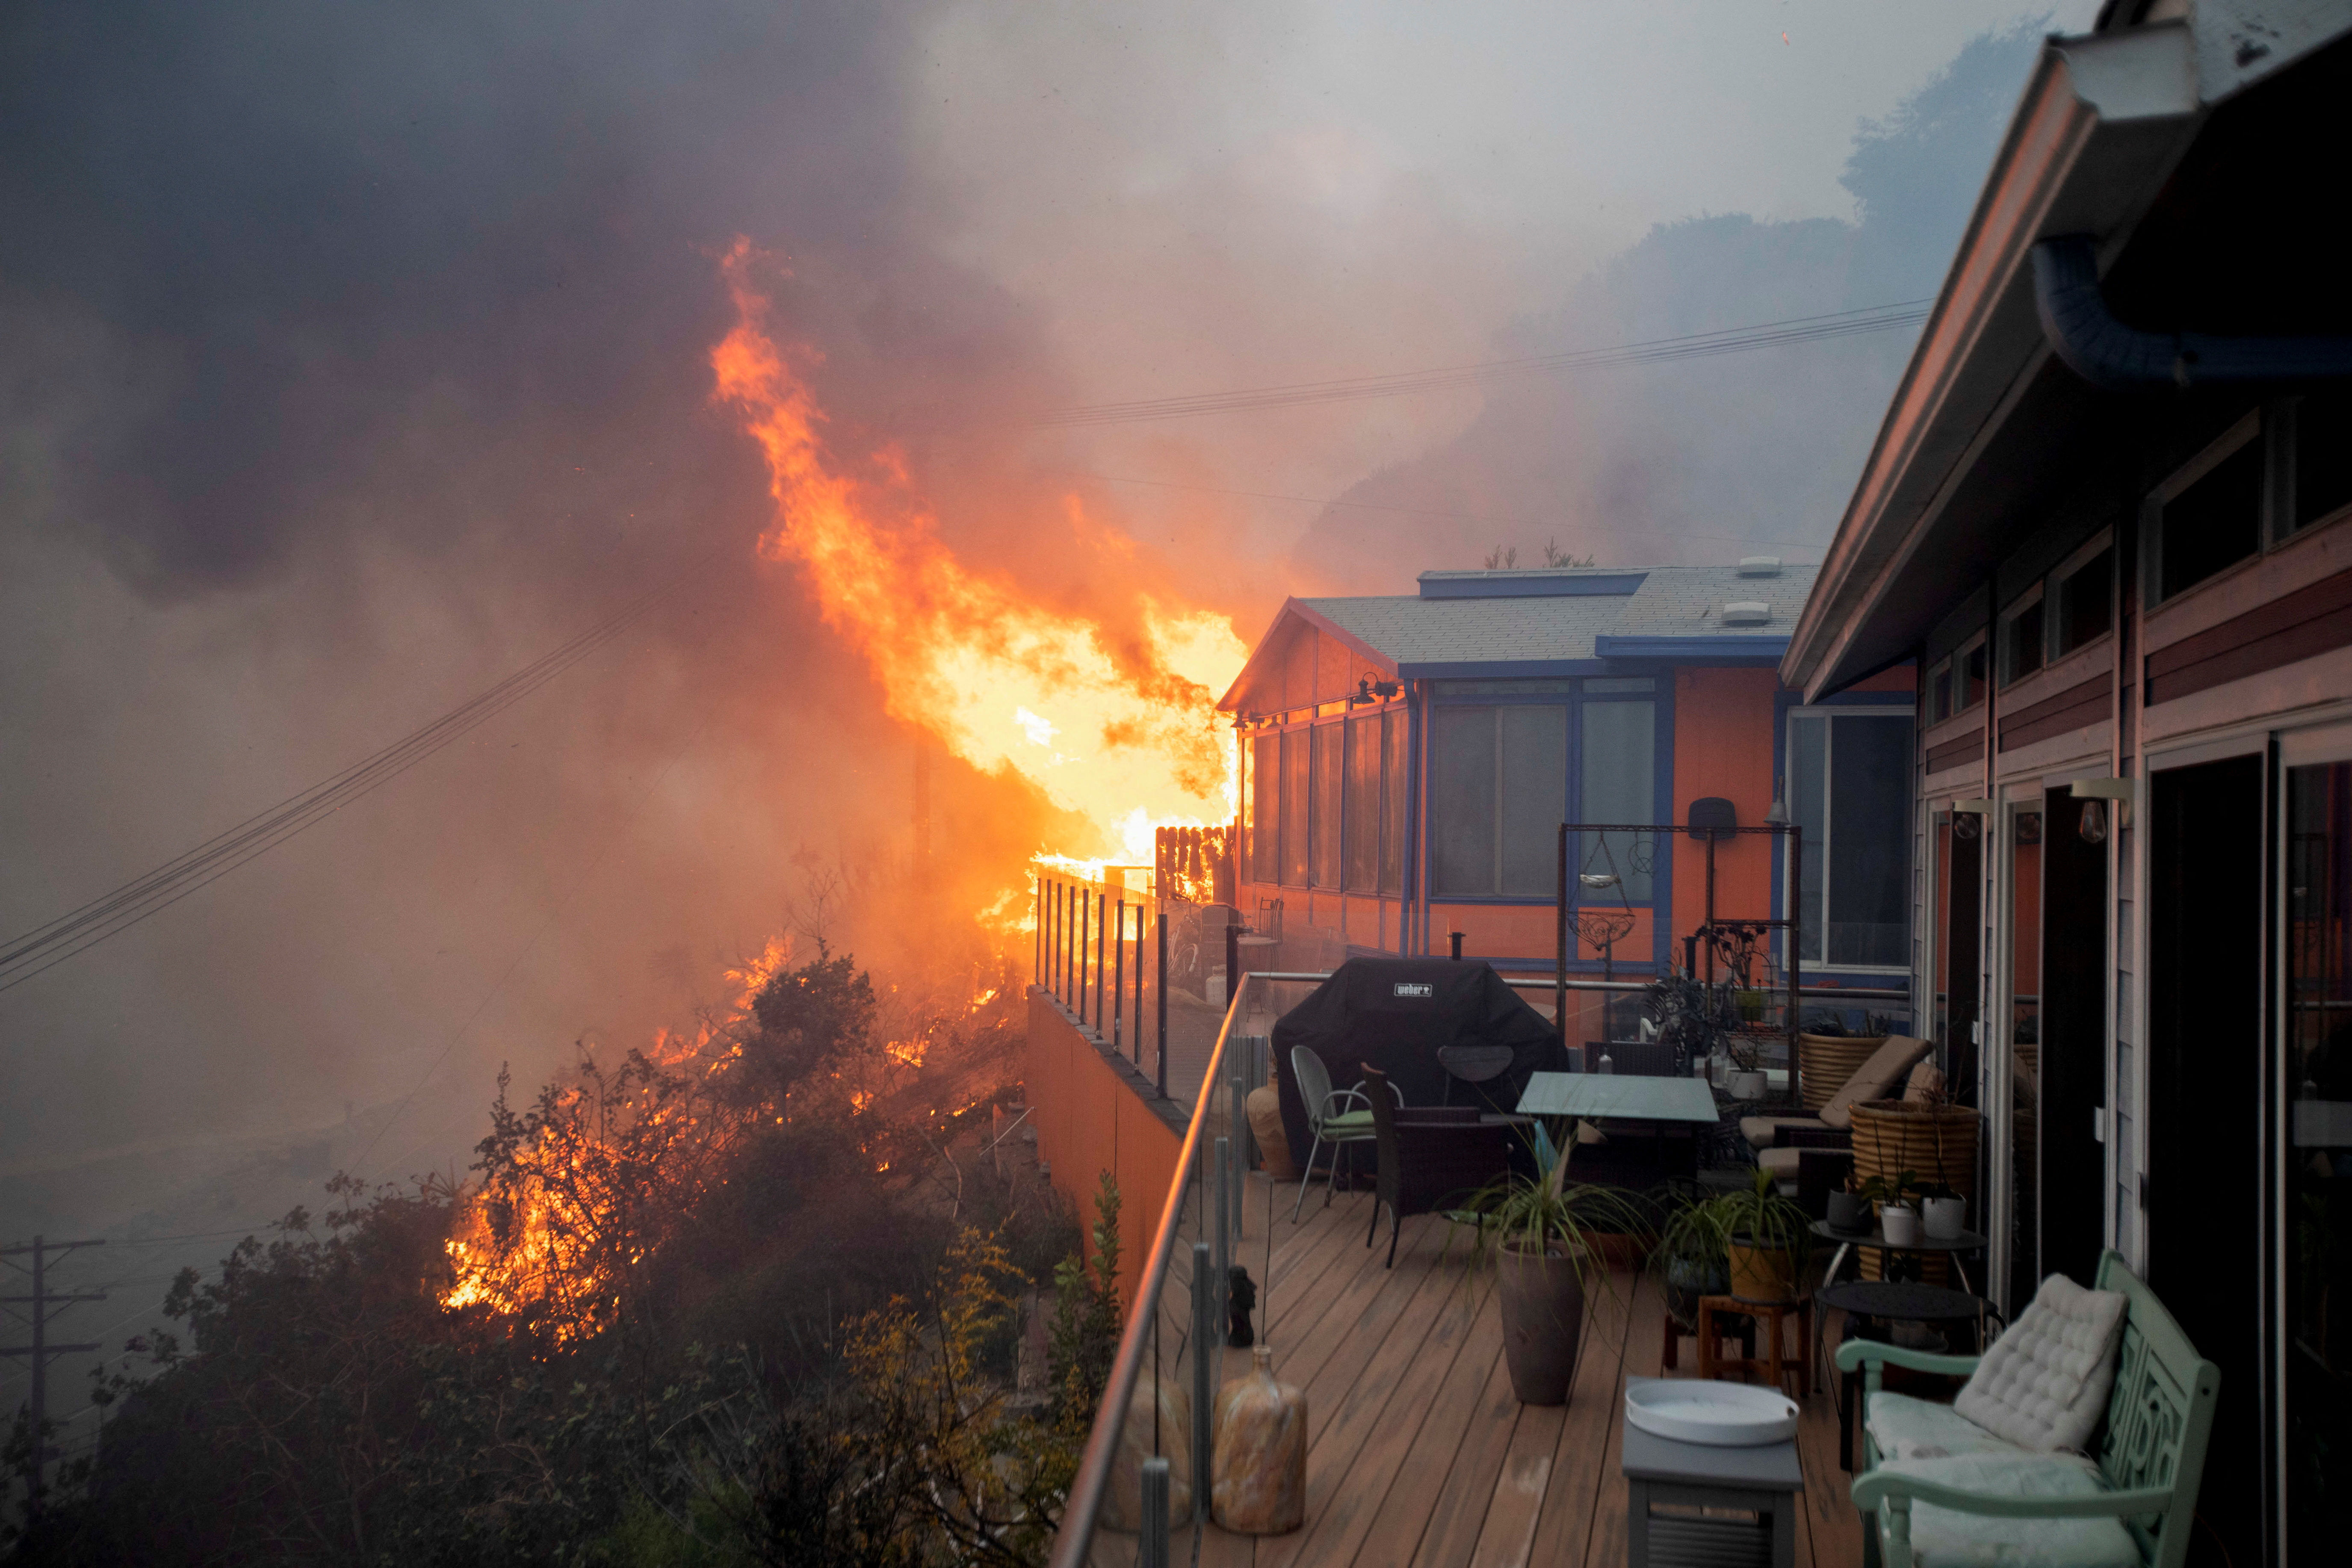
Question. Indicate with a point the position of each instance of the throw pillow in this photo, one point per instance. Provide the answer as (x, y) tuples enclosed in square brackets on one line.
[(2044, 1384)]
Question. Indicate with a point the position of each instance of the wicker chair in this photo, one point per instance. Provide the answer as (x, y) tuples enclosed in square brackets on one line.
[(1431, 1156)]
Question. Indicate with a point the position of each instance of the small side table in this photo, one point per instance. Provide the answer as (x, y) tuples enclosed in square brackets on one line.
[(1876, 1299), (1767, 1317), (1668, 1483)]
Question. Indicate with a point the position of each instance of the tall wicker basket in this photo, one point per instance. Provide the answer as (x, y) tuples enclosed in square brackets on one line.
[(1826, 1061), (1937, 1142)]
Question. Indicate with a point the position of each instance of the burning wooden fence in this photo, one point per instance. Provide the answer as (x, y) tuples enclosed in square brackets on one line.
[(1194, 864)]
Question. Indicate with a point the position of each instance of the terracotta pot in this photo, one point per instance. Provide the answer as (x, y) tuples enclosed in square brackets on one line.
[(1543, 1320), (1763, 1273)]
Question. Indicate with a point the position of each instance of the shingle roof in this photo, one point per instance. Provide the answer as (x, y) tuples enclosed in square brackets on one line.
[(1677, 602)]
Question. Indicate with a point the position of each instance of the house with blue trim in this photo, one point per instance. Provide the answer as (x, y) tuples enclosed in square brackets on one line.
[(1407, 763)]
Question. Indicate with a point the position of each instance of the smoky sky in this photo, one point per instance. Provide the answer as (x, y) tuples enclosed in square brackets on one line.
[(282, 256)]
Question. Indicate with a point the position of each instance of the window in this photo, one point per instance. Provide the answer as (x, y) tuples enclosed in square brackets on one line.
[(1968, 676), (1620, 764), (2022, 636), (1392, 732), (2322, 458), (1940, 691), (1850, 789), (1363, 813), (1498, 791), (2215, 519), (1265, 809), (1296, 810), (2085, 601), (1328, 738)]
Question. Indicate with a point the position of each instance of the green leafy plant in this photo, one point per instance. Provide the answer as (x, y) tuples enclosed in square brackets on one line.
[(1530, 1215), (1901, 1187), (1760, 1216)]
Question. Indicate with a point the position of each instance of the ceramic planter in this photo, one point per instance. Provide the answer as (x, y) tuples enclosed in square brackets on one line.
[(1849, 1212), (1943, 1218), (1688, 1278), (1543, 1298), (1763, 1273), (1902, 1223), (1747, 1085)]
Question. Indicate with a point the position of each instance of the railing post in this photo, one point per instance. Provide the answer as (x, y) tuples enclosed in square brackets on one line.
[(1205, 1387), (1085, 897), (1160, 984), (1037, 932), (1224, 1162), (1140, 907), (1102, 936), (1152, 1542), (1239, 1102), (1117, 975)]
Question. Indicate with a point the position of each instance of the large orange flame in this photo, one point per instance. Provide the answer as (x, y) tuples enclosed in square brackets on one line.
[(1003, 682)]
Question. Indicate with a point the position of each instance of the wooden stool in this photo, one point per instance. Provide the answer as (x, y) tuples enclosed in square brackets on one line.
[(1669, 1354), (1767, 1315)]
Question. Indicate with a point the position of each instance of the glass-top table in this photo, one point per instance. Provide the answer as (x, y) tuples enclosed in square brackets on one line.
[(1625, 1095)]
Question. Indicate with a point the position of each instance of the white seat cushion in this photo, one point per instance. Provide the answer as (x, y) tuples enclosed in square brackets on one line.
[(1948, 1538), (2043, 1383), (1909, 1429)]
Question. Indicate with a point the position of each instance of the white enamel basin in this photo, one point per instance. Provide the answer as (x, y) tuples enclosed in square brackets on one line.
[(1726, 1414)]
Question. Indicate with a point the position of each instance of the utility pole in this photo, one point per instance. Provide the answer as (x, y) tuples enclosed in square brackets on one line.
[(46, 1304)]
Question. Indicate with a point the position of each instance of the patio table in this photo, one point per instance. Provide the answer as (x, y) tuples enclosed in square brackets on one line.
[(1595, 1095), (1760, 1482)]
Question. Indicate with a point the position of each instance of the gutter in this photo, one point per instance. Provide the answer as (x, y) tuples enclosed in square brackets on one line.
[(2104, 351)]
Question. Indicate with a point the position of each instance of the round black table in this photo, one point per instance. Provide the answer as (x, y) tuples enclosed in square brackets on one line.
[(1967, 1241), (1891, 1302)]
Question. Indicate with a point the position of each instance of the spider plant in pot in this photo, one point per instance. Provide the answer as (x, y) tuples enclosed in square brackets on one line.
[(1765, 1239), (1543, 1234), (1692, 1258)]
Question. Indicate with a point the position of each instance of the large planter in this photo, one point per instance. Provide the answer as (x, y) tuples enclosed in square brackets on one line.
[(1543, 1298), (1688, 1278), (1764, 1273), (1938, 1142), (1826, 1061)]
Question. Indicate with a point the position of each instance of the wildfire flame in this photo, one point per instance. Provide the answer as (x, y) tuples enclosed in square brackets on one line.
[(1002, 681)]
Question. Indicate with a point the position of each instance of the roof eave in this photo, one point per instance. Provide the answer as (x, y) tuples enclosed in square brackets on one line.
[(2101, 122)]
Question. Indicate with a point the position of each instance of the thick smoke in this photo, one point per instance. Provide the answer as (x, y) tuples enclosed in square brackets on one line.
[(1703, 459)]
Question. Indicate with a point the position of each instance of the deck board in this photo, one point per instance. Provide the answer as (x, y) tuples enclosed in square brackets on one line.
[(1418, 1451)]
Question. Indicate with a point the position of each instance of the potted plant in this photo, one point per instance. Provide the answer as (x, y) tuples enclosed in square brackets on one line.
[(1849, 1211), (1943, 1213), (1545, 1236), (1692, 1258), (1765, 1240)]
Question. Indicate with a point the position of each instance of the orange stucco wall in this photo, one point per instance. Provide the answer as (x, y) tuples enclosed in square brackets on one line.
[(1090, 1119), (1723, 746)]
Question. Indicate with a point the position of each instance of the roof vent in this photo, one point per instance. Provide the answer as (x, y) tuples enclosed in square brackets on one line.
[(1747, 613), (1759, 566)]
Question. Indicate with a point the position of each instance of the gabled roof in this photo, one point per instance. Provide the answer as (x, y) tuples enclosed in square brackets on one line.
[(1554, 622)]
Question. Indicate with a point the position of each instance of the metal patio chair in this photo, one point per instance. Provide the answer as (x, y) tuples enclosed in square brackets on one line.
[(1332, 1125)]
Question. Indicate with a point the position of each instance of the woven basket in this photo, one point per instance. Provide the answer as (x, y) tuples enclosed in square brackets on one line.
[(1937, 1142), (1826, 1061)]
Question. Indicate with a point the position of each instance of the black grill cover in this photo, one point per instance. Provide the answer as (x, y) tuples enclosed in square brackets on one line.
[(1395, 1013)]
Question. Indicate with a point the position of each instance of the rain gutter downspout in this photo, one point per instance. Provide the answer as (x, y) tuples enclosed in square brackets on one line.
[(2104, 351)]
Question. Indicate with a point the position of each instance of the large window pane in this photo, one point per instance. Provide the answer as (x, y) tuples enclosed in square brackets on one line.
[(1534, 797), (1809, 808), (1361, 811), (1870, 858), (1329, 782), (1266, 815), (1850, 790), (1296, 812), (1461, 819), (2215, 522), (1619, 768), (1393, 781)]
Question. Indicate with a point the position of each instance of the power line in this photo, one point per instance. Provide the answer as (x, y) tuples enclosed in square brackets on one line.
[(1408, 510), (1348, 389), (79, 929)]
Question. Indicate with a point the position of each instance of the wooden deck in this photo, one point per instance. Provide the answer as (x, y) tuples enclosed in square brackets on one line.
[(1417, 1453)]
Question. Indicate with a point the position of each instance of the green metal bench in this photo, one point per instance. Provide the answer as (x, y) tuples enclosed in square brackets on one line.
[(2151, 1447)]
